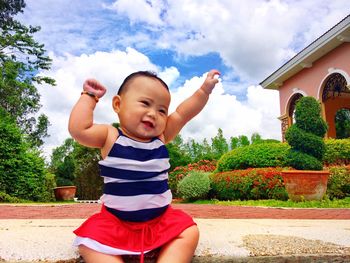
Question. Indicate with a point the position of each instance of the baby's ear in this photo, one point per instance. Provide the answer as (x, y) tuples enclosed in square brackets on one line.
[(116, 103)]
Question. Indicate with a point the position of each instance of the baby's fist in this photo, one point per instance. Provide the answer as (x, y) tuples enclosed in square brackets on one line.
[(95, 87), (210, 81)]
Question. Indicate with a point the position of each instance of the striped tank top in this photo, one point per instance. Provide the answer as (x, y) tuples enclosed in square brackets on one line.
[(136, 179)]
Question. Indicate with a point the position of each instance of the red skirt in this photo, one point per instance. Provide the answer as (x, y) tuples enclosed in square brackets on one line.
[(110, 231)]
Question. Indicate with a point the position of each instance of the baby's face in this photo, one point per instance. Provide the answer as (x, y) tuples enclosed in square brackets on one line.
[(143, 109)]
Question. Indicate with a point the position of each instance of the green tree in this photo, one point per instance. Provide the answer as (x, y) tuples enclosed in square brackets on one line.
[(75, 164), (219, 145), (243, 141), (22, 170), (65, 172), (116, 124), (62, 163), (207, 151), (234, 142), (21, 60), (9, 8), (88, 181), (60, 152), (255, 138), (177, 154), (195, 150)]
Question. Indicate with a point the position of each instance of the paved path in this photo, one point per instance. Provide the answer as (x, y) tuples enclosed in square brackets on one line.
[(84, 210), (32, 233)]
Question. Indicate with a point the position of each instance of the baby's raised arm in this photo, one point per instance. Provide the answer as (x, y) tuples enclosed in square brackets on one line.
[(81, 125), (190, 107)]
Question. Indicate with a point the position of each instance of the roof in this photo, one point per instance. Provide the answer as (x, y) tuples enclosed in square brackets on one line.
[(334, 37)]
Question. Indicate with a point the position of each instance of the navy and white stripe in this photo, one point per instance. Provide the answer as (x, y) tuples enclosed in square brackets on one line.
[(136, 179)]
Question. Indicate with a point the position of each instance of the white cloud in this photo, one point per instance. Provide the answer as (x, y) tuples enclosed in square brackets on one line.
[(169, 75), (140, 11), (71, 71), (257, 114), (252, 37), (66, 26)]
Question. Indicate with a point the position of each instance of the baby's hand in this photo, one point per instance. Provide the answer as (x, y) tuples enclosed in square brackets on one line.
[(95, 87), (210, 81)]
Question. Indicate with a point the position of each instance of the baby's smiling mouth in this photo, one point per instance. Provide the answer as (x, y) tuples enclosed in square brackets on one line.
[(148, 124)]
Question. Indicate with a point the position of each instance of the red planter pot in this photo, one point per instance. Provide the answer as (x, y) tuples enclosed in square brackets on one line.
[(305, 185), (64, 193)]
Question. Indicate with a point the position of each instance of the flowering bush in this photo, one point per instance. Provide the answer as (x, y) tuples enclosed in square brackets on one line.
[(249, 184), (176, 175)]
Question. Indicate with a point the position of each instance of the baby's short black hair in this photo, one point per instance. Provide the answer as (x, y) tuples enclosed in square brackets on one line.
[(148, 74)]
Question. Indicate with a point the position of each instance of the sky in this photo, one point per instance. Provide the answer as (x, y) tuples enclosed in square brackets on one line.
[(180, 40)]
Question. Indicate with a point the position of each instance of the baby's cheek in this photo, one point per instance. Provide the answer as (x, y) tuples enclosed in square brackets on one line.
[(163, 125)]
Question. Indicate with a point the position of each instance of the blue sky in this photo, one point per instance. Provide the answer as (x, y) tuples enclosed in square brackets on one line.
[(181, 40)]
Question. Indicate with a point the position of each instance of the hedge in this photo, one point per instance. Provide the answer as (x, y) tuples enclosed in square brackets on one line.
[(337, 152), (254, 156), (339, 182), (249, 184)]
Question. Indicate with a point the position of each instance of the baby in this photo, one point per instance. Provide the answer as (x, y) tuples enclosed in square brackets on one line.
[(136, 215)]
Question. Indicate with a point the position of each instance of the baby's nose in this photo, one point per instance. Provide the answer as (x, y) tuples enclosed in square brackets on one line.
[(151, 112)]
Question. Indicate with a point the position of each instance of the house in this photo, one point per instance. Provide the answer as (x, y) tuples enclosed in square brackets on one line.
[(321, 70)]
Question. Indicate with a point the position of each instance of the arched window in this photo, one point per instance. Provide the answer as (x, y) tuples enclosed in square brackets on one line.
[(335, 87), (292, 104)]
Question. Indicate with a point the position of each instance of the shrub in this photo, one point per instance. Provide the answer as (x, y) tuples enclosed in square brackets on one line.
[(339, 182), (181, 172), (6, 198), (305, 142), (249, 184), (50, 183), (88, 181), (268, 141), (337, 152), (303, 161), (305, 136), (308, 116), (194, 186), (254, 156), (65, 172)]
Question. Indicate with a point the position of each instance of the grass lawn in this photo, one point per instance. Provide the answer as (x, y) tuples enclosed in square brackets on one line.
[(326, 203)]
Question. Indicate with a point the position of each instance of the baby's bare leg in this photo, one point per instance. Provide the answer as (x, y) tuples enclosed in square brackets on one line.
[(181, 249), (92, 256)]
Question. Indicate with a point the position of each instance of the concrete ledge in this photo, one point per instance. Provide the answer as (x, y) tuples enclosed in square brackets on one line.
[(222, 240), (280, 259)]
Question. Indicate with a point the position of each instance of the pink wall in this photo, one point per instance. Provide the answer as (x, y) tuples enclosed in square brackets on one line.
[(309, 80)]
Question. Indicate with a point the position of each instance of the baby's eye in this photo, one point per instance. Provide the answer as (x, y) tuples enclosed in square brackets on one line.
[(163, 111), (145, 102)]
